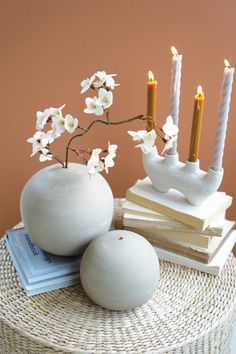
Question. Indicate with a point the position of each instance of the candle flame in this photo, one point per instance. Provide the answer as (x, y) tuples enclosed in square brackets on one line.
[(150, 76), (199, 90), (227, 64), (174, 51)]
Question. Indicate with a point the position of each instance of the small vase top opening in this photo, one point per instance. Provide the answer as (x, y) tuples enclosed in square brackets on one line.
[(65, 209)]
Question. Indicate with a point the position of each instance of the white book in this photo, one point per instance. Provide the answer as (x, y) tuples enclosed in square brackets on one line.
[(142, 221), (147, 222), (192, 238), (214, 267), (174, 204), (132, 208)]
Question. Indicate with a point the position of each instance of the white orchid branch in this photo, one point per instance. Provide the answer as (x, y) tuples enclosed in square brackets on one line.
[(98, 105), (96, 121)]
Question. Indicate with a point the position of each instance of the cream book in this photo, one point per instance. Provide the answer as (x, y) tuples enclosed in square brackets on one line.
[(174, 226), (174, 205), (215, 228), (156, 233), (214, 267), (201, 254)]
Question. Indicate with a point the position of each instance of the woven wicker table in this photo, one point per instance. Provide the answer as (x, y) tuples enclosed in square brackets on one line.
[(191, 312)]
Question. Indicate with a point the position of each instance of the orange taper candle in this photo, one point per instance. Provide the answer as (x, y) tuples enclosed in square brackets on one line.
[(196, 125), (151, 101)]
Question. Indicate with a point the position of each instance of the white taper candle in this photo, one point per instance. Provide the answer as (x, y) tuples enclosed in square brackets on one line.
[(175, 91), (223, 117)]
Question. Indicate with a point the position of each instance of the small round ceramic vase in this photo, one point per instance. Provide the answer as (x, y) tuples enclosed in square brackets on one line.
[(64, 209), (119, 270)]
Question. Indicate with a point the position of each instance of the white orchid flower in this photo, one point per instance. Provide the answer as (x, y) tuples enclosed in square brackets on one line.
[(112, 149), (50, 136), (148, 142), (147, 138), (93, 107), (42, 117), (45, 155), (92, 170), (103, 75), (57, 111), (108, 161), (169, 128), (94, 159), (150, 138), (58, 124), (169, 143), (86, 84), (110, 82), (39, 141), (54, 132), (94, 164), (105, 98), (71, 123), (102, 78), (139, 135)]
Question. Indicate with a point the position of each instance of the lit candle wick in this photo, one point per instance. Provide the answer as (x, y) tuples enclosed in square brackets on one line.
[(174, 51), (227, 64), (199, 91), (150, 76)]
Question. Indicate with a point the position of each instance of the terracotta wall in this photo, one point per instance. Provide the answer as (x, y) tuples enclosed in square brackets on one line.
[(49, 46)]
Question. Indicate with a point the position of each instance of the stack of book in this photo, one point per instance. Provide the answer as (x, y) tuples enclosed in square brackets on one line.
[(196, 236), (40, 271)]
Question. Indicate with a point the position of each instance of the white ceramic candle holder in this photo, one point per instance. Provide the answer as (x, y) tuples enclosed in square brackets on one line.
[(168, 172)]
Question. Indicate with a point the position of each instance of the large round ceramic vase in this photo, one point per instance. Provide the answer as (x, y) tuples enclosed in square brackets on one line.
[(64, 209)]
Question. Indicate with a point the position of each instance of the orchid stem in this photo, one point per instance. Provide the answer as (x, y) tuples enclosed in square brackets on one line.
[(106, 122)]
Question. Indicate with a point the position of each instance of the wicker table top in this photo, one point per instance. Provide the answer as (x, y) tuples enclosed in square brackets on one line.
[(190, 310)]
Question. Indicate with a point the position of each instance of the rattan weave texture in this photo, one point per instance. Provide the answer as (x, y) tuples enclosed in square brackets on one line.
[(192, 312)]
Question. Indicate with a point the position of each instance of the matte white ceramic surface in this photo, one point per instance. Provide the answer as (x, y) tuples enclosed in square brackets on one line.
[(120, 270), (65, 209), (168, 172)]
